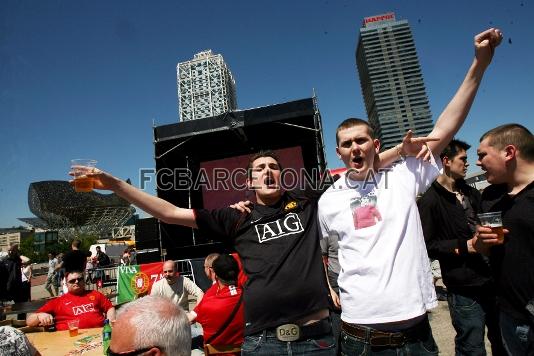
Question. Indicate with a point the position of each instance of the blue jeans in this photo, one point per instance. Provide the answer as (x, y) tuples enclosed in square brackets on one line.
[(517, 336), (336, 329), (425, 345), (470, 314), (267, 344)]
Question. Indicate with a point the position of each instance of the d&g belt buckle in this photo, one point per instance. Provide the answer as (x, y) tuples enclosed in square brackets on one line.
[(288, 332)]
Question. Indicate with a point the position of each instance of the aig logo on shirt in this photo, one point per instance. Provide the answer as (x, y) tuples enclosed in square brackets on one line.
[(82, 309), (288, 225)]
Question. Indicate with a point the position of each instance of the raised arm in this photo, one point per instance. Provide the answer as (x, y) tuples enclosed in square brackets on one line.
[(410, 146), (154, 206), (452, 118)]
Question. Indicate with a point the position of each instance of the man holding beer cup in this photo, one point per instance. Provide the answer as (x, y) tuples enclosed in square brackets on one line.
[(506, 153), (448, 211), (89, 307)]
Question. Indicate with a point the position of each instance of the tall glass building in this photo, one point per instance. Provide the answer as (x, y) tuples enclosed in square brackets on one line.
[(205, 87), (391, 79)]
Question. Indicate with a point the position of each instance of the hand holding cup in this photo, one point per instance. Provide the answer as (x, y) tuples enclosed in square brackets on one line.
[(80, 168)]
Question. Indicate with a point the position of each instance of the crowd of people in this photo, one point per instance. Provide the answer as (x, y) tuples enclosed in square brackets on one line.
[(346, 270)]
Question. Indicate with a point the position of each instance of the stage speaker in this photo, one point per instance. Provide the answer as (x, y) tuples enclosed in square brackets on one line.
[(147, 242), (202, 163)]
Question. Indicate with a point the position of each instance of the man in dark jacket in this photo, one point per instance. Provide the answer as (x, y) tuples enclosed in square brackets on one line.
[(448, 214), (103, 259), (11, 275)]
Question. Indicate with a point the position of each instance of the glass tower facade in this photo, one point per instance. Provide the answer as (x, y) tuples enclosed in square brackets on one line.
[(391, 79)]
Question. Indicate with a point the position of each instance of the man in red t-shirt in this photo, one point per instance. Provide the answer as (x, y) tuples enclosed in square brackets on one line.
[(90, 307), (215, 308)]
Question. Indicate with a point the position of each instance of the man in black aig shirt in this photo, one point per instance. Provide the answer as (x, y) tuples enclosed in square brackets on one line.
[(286, 295), (506, 153)]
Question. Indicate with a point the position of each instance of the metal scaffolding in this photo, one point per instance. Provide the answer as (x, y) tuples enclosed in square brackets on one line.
[(58, 207), (206, 87)]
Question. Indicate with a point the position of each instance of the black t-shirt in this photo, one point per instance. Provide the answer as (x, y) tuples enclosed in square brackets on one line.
[(513, 261), (75, 260), (103, 259), (279, 248)]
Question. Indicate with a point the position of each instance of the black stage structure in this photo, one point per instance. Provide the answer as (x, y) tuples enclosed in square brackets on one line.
[(293, 129)]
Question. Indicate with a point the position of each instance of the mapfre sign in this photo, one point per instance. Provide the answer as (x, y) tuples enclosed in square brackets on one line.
[(390, 16)]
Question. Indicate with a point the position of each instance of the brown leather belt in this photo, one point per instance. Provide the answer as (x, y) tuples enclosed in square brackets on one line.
[(375, 337)]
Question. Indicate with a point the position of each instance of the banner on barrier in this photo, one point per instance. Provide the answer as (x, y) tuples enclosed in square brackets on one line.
[(136, 281)]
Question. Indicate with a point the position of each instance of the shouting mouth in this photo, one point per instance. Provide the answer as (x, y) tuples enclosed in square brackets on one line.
[(358, 162), (270, 182)]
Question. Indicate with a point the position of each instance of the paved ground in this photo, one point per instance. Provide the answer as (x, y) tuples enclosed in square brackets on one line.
[(439, 319)]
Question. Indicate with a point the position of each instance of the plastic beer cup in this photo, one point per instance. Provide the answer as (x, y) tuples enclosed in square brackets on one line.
[(494, 221), (73, 327), (82, 183)]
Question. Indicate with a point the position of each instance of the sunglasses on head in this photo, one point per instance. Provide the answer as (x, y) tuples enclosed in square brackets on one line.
[(74, 280), (130, 353)]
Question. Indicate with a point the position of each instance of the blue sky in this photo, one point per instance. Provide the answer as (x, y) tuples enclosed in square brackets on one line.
[(88, 78)]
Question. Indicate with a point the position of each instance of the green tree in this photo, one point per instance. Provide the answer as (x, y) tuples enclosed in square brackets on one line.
[(27, 248)]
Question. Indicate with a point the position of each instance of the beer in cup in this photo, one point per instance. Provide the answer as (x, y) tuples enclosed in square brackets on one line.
[(494, 221), (73, 327), (82, 183)]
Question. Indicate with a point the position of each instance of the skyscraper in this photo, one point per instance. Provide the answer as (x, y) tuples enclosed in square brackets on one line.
[(391, 80), (205, 87)]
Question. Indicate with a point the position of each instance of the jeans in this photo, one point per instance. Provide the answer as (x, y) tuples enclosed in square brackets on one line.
[(517, 336), (425, 345), (267, 344), (469, 315), (336, 329)]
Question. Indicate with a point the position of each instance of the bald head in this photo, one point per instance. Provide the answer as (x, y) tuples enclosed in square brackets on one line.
[(169, 271)]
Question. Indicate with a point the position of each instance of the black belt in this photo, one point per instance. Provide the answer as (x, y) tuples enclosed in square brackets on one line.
[(379, 338), (293, 332)]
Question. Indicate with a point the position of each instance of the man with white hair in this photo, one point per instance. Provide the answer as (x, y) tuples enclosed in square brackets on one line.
[(151, 325), (14, 342)]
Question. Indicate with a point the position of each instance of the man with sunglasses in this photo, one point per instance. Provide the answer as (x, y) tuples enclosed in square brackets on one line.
[(90, 307), (152, 325)]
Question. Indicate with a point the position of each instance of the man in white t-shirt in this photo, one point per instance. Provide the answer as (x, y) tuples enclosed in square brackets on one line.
[(176, 287), (385, 280)]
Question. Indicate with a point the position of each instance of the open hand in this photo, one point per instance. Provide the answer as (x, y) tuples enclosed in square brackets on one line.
[(242, 206)]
